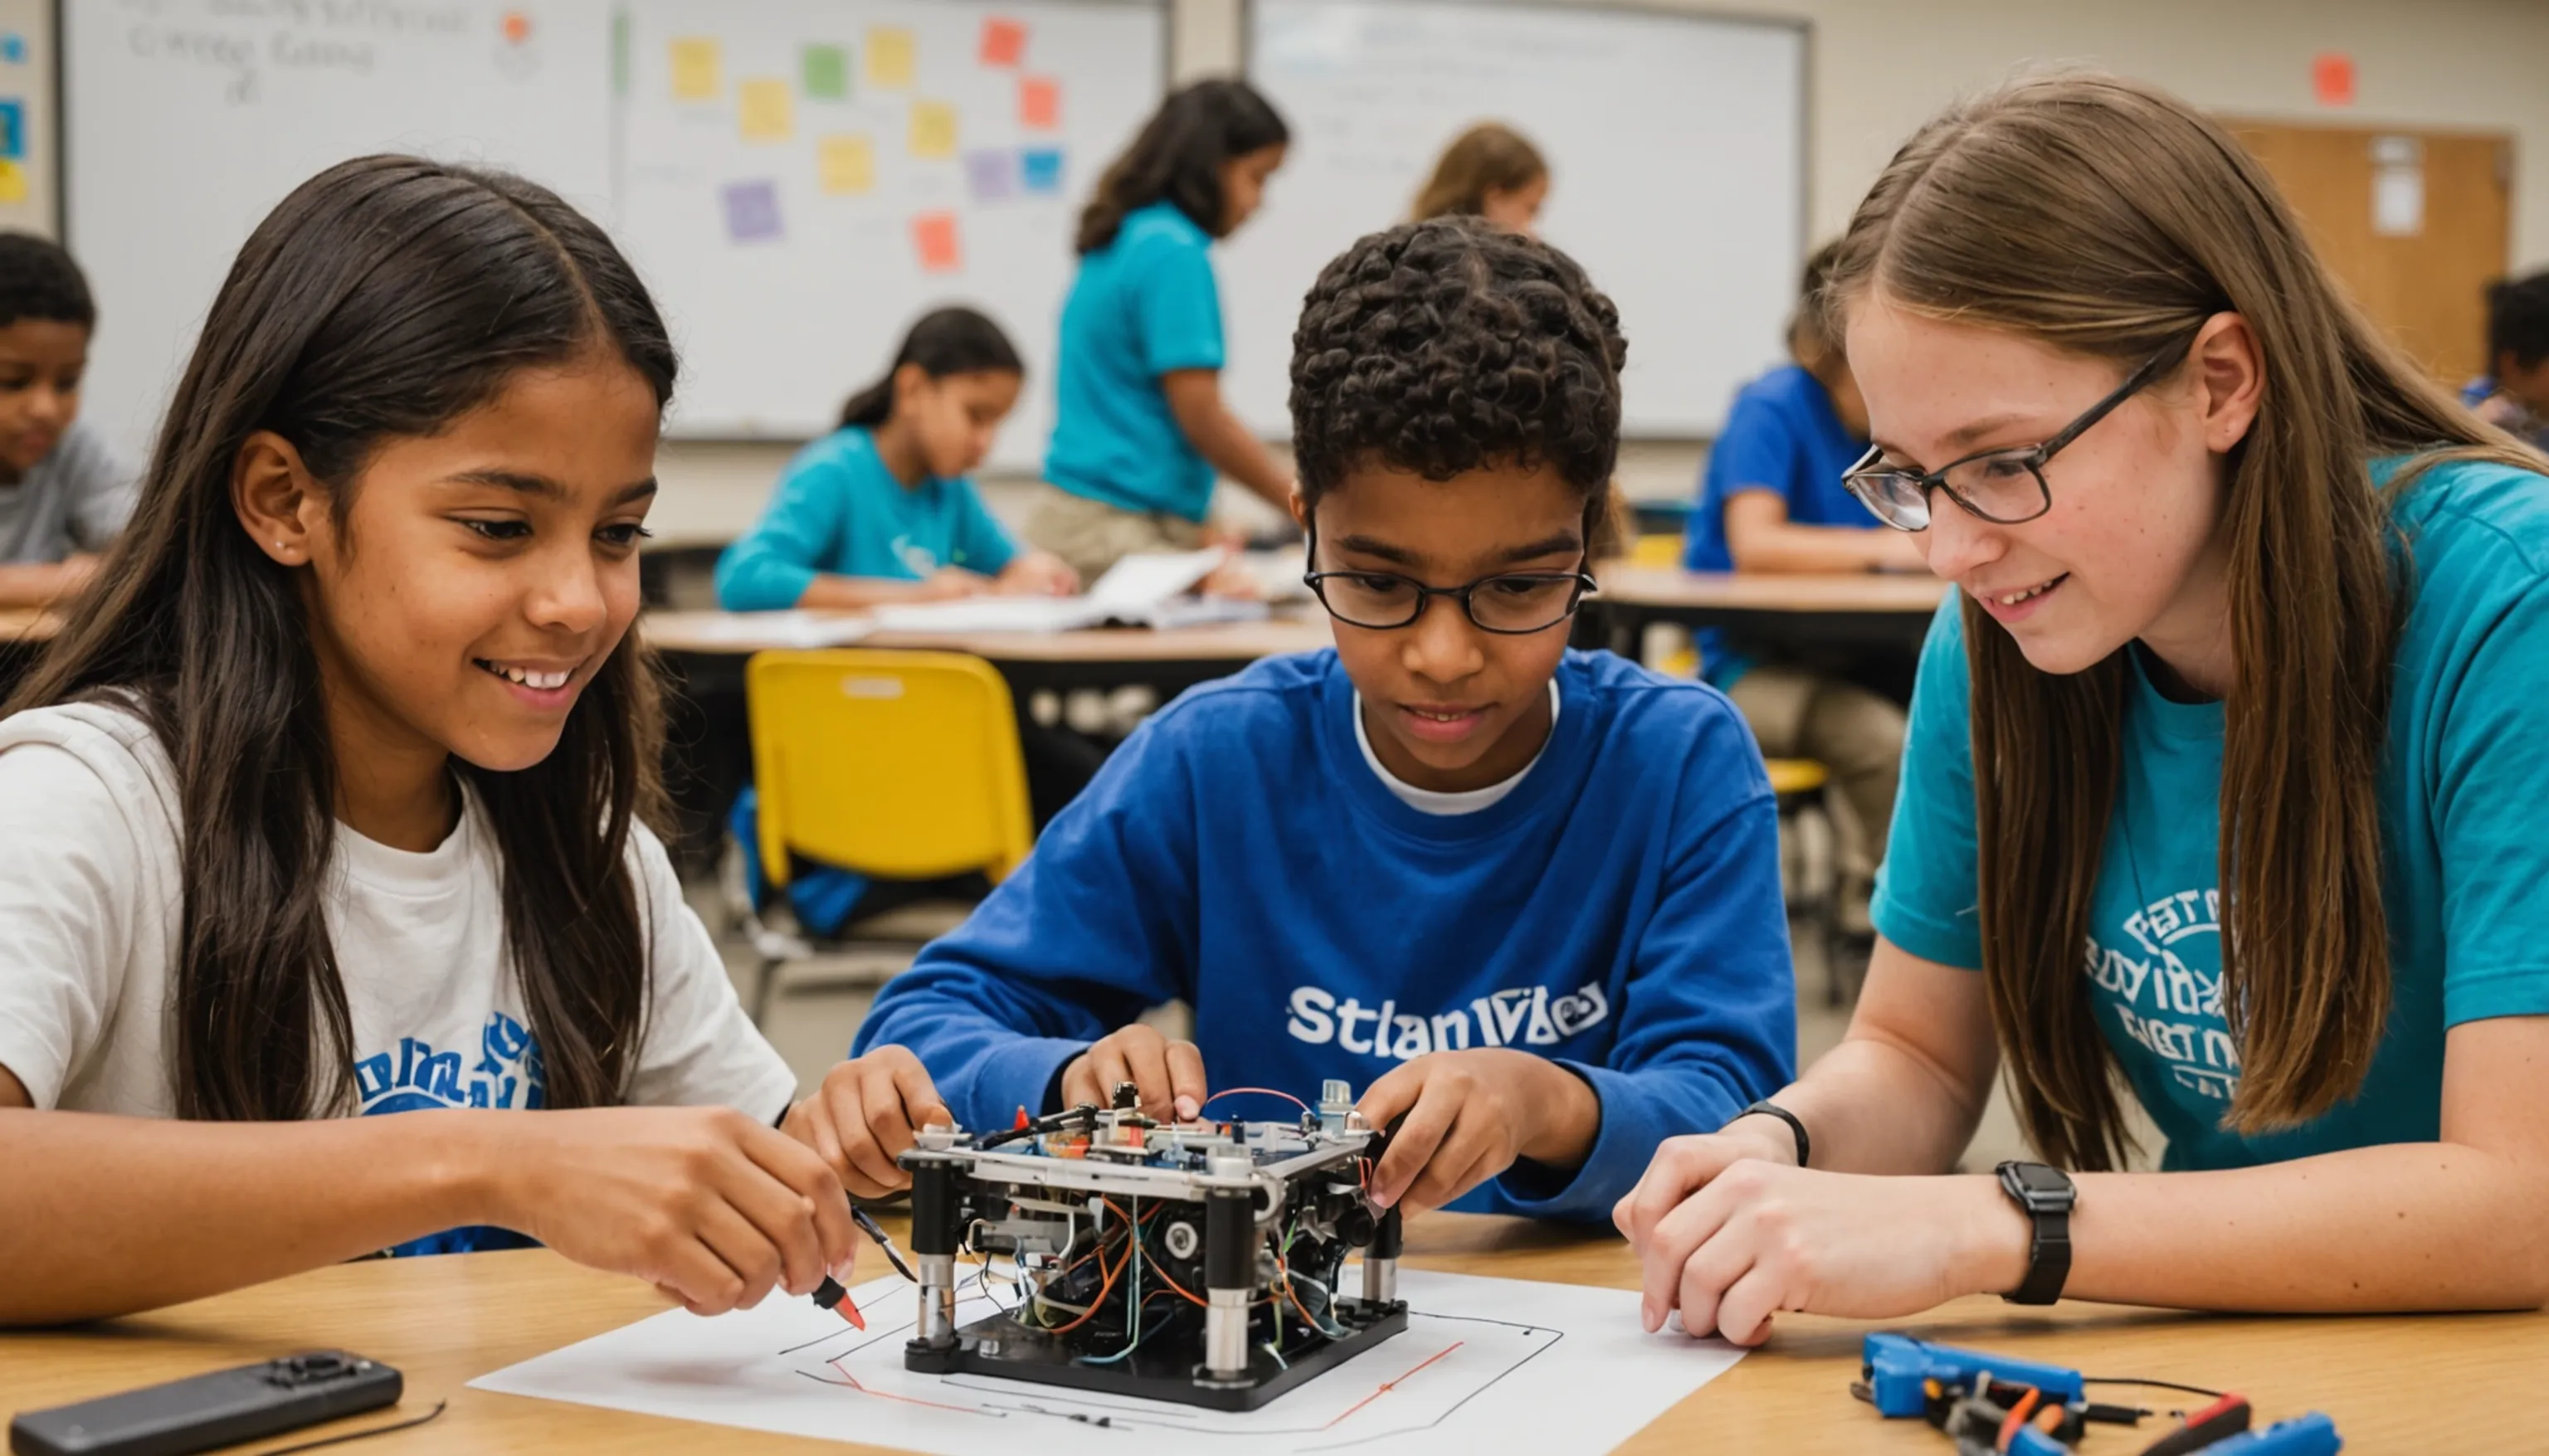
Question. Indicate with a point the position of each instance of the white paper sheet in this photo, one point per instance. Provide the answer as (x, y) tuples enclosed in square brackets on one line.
[(778, 629), (1484, 1365), (1142, 590)]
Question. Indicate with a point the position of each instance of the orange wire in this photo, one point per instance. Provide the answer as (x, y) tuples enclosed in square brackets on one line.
[(1156, 1266), (2016, 1418), (1104, 1288)]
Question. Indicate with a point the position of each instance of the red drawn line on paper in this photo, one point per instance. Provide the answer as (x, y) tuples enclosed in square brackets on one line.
[(1388, 1386), (835, 1363)]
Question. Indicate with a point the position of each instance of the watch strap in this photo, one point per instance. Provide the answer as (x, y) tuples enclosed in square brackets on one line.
[(2049, 1250), (1795, 1126)]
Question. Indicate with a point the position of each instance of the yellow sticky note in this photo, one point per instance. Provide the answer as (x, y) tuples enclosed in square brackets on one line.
[(768, 110), (846, 165), (889, 57), (933, 129), (696, 66), (13, 181)]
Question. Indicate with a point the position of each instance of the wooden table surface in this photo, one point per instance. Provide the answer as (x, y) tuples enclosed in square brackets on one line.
[(711, 632), (1862, 591), (28, 624), (2461, 1383)]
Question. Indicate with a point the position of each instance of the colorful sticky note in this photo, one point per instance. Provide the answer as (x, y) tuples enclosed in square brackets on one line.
[(751, 210), (825, 72), (933, 129), (933, 235), (13, 182), (990, 175), (697, 64), (1040, 169), (12, 47), (889, 57), (767, 108), (13, 129), (2333, 78), (1039, 103), (517, 27), (846, 165), (1004, 41)]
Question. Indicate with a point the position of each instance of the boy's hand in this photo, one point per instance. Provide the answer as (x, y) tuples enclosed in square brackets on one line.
[(1169, 1073), (1469, 1114), (1038, 574), (865, 1117)]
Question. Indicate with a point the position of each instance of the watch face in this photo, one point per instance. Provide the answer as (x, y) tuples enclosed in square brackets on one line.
[(2037, 1178), (2041, 1188)]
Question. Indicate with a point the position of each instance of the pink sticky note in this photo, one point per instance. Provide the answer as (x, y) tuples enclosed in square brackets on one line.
[(1004, 41), (934, 236), (1040, 103)]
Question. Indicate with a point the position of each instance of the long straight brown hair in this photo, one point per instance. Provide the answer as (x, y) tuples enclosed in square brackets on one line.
[(1488, 157), (383, 299), (2107, 218)]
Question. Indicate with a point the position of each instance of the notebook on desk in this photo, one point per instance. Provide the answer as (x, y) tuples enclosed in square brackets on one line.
[(1142, 591)]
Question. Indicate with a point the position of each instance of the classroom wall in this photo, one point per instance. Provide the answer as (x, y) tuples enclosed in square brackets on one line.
[(1880, 66)]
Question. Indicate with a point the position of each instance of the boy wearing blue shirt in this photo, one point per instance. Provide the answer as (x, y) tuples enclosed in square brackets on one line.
[(1526, 897), (2513, 395)]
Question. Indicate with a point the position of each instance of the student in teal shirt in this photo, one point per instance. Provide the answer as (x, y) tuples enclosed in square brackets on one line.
[(2224, 784), (879, 510), (1139, 424)]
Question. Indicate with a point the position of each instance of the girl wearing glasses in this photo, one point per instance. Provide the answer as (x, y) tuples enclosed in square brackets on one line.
[(1527, 897), (2223, 785)]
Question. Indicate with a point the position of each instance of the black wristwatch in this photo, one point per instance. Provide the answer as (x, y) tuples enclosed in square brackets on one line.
[(1796, 1129), (2046, 1195)]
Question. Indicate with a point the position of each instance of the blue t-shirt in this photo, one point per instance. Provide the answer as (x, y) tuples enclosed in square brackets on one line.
[(1782, 435), (2532, 431), (2461, 785), (1618, 911), (1143, 305), (838, 511)]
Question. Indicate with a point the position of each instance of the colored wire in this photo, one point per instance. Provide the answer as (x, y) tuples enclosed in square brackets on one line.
[(2016, 1418), (1259, 1091)]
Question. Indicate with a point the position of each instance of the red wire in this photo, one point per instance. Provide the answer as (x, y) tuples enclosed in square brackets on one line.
[(1261, 1091), (2016, 1418)]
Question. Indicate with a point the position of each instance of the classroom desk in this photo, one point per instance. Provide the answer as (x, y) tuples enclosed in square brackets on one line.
[(2440, 1383), (1227, 645), (1858, 609)]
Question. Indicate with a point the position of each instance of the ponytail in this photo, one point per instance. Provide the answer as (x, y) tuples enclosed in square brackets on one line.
[(952, 340)]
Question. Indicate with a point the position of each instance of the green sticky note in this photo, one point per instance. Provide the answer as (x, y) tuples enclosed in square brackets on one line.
[(827, 72)]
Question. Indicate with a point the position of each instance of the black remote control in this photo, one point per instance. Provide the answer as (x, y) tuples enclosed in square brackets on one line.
[(207, 1411)]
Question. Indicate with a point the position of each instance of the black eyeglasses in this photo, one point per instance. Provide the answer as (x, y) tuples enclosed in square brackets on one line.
[(2004, 487), (1512, 604)]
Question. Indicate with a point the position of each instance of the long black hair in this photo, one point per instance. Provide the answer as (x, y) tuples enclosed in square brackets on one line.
[(383, 299), (945, 341), (1178, 157)]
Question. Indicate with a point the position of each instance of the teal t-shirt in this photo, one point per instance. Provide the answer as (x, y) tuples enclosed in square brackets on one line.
[(2461, 788), (1143, 305), (838, 511)]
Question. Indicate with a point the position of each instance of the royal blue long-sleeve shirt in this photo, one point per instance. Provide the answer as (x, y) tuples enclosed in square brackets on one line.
[(1619, 911)]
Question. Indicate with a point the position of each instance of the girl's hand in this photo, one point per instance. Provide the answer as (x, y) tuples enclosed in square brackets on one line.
[(951, 582), (865, 1117), (1760, 1237), (710, 1205), (1684, 1165), (1038, 574), (1169, 1073), (1469, 1114)]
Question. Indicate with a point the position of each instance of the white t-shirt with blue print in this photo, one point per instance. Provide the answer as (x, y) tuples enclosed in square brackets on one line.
[(89, 905)]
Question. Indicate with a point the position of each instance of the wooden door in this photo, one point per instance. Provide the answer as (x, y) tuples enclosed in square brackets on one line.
[(2414, 224)]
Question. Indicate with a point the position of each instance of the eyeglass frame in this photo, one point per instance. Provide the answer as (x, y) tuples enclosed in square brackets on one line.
[(2034, 457), (1583, 580)]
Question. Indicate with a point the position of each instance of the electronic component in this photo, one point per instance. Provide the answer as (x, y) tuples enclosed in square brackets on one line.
[(1195, 1262), (202, 1412)]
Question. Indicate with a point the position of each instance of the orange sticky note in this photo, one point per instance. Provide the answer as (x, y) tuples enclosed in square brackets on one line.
[(767, 108), (934, 236), (2333, 78), (933, 131), (846, 165), (1039, 103), (1004, 41)]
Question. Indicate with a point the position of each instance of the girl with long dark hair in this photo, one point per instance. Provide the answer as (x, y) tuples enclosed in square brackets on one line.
[(334, 800)]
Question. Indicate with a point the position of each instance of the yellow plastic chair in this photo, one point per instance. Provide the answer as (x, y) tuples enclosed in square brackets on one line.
[(896, 765), (1656, 549)]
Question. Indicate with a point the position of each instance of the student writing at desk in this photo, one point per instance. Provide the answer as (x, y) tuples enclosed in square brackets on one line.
[(1139, 422), (2224, 783), (62, 494), (1528, 897), (1771, 499)]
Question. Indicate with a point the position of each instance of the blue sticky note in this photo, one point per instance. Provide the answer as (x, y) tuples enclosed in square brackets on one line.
[(13, 129), (990, 175), (751, 210), (1040, 169), (13, 48)]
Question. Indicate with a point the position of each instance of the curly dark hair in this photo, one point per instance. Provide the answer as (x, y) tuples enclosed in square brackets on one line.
[(1449, 346), (37, 280)]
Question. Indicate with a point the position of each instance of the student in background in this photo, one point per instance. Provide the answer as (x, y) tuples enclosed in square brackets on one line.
[(1527, 896), (1489, 171), (1771, 499), (2514, 393), (62, 496), (2225, 781), (334, 803), (1139, 423), (880, 510)]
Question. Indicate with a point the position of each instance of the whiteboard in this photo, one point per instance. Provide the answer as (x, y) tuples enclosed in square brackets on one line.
[(1676, 144), (186, 120), (803, 178)]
